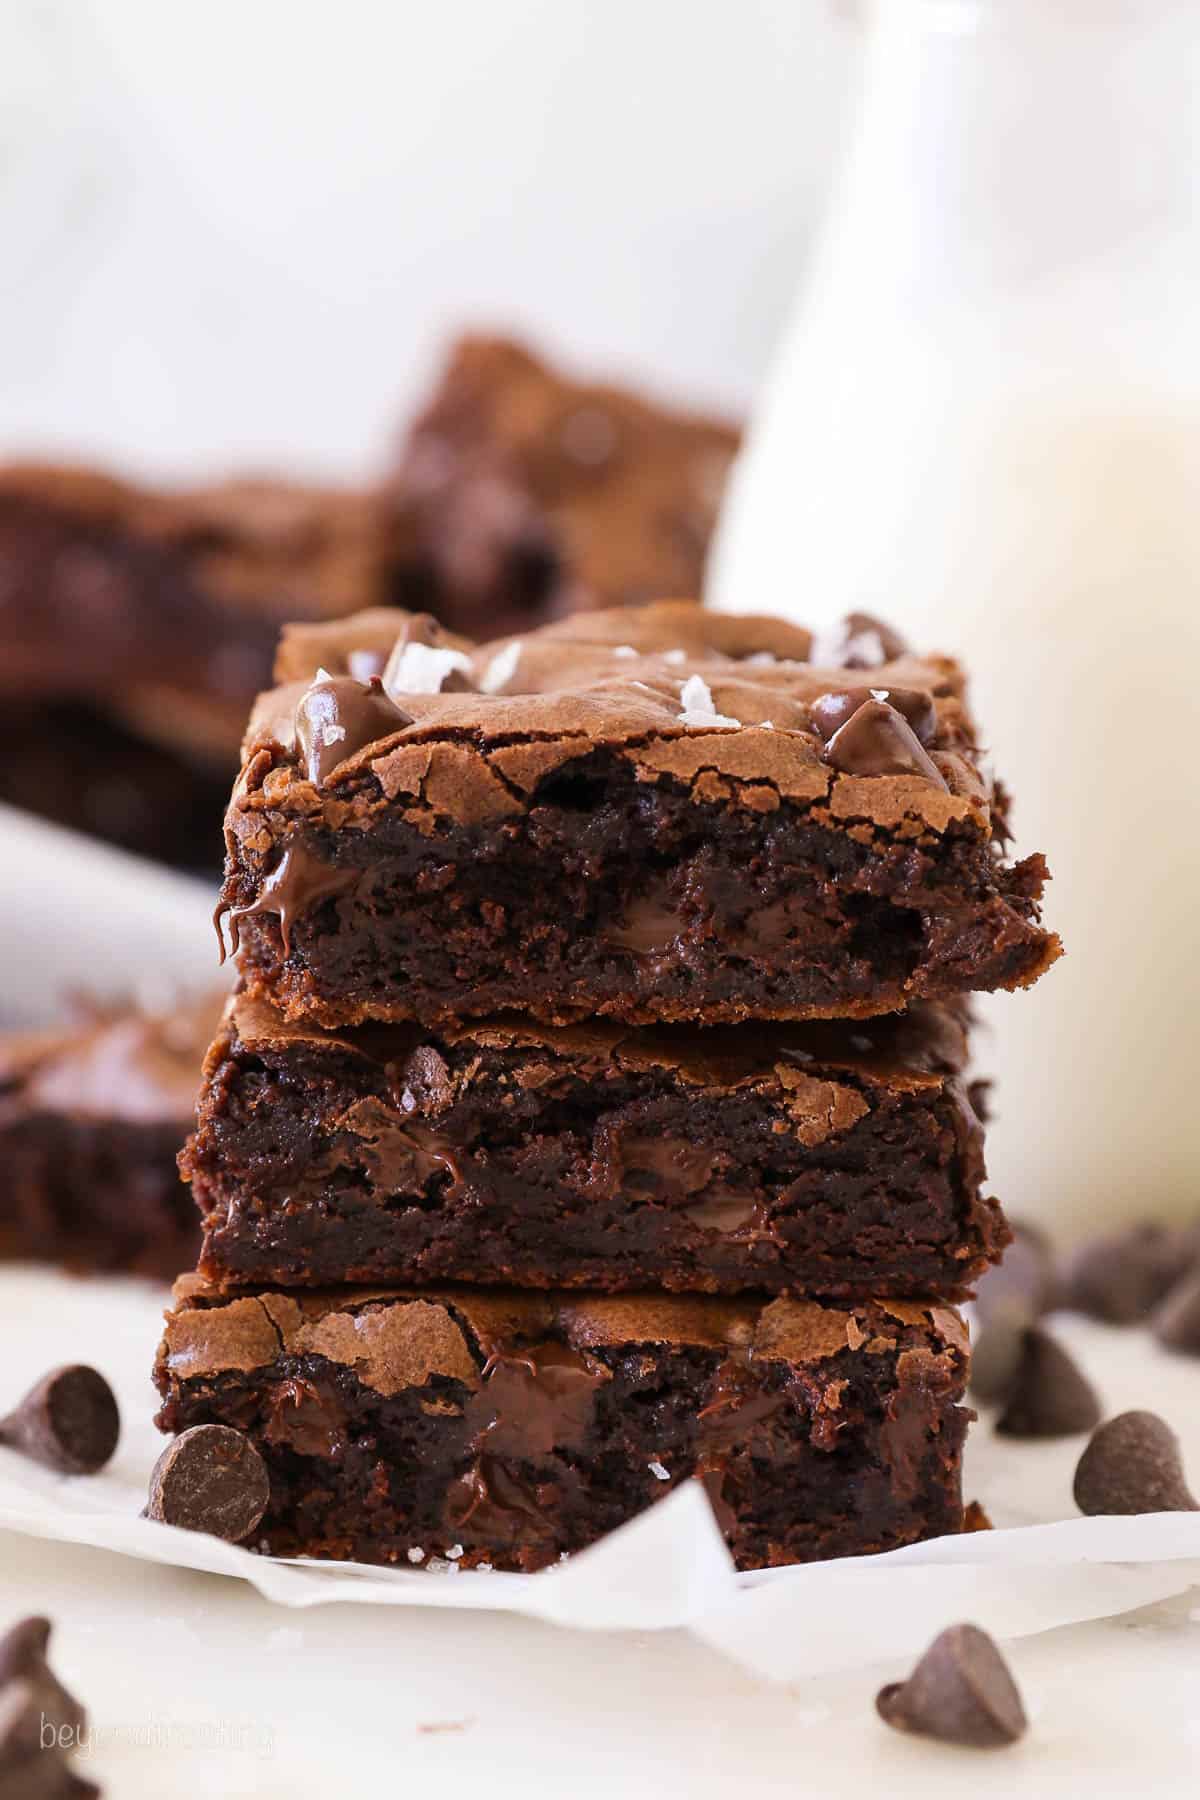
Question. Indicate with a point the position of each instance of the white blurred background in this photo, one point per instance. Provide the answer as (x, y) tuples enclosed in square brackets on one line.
[(239, 231)]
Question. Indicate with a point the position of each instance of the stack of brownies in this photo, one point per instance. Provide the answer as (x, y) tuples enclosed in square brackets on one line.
[(591, 1114)]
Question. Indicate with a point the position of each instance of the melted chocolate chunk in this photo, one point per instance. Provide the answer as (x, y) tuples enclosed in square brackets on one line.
[(831, 711), (302, 1418), (534, 1402), (338, 716), (877, 740), (532, 1405), (650, 924), (68, 1422), (1133, 1465), (738, 1405), (298, 883), (1048, 1395), (860, 641), (498, 1505), (960, 1692), (210, 1479), (671, 1167)]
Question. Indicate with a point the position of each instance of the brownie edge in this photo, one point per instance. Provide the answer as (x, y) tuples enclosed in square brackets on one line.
[(815, 1159), (504, 1429)]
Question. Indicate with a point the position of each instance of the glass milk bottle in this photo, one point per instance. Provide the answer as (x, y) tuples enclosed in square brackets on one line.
[(985, 427)]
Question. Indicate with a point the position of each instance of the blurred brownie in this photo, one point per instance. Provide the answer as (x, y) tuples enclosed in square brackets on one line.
[(181, 591), (816, 1159), (661, 814), (523, 494), (72, 764), (91, 1122), (506, 1428)]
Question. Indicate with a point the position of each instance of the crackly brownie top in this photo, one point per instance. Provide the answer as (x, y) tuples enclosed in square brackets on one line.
[(135, 1066), (396, 1338), (792, 1066), (278, 548), (616, 491), (749, 710)]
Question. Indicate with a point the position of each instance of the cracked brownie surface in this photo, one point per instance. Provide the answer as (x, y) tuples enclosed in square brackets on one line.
[(504, 1429), (653, 815), (820, 1158)]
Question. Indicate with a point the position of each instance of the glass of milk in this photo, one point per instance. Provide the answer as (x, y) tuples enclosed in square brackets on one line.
[(984, 425)]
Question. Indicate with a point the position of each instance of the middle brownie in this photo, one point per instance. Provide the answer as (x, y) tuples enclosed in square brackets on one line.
[(825, 1158)]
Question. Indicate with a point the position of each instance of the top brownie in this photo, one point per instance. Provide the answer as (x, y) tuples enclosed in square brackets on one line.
[(523, 494), (651, 815)]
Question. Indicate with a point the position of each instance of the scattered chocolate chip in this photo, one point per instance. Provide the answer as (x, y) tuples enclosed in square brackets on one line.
[(994, 1359), (69, 1421), (1133, 1465), (29, 1769), (877, 740), (210, 1479), (1022, 1287), (1177, 1321), (960, 1692), (860, 641), (975, 1517), (23, 1658), (40, 1722), (1120, 1278), (337, 716), (1048, 1395), (830, 711)]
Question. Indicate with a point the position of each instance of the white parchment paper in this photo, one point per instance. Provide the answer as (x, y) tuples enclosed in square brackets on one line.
[(1043, 1566)]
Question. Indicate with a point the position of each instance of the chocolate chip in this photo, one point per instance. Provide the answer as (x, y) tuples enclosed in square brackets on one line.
[(877, 740), (337, 716), (23, 1658), (1120, 1278), (31, 1768), (1048, 1394), (1177, 1321), (1022, 1287), (960, 1692), (994, 1359), (830, 711), (69, 1421), (860, 641), (1133, 1465), (210, 1479)]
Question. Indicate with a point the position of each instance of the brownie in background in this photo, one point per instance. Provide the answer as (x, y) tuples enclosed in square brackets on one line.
[(91, 1123), (523, 494), (137, 623)]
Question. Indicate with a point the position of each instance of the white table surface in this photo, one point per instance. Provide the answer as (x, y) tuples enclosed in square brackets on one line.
[(198, 1686)]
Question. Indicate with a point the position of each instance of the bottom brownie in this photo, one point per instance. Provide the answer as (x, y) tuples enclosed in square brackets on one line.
[(91, 1122), (503, 1428)]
